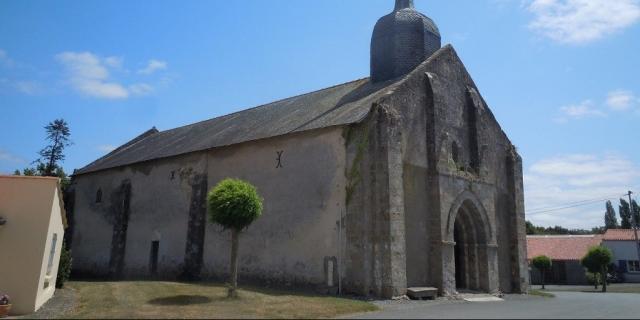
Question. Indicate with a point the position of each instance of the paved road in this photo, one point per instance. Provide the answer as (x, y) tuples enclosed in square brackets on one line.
[(564, 305)]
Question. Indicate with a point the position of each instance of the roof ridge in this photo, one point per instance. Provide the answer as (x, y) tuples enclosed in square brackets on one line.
[(8, 176)]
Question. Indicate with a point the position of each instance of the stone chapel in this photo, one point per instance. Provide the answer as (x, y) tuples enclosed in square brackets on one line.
[(402, 179)]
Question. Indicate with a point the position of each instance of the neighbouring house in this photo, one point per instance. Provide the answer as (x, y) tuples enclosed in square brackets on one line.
[(622, 243), (32, 223), (402, 179), (565, 251)]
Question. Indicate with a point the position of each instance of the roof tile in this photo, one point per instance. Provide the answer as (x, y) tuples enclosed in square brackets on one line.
[(619, 235), (561, 247)]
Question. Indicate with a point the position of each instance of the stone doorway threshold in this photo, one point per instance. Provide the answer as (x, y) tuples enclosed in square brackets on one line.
[(477, 297)]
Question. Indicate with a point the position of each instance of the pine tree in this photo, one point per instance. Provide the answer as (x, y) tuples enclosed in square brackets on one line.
[(625, 214), (58, 135), (610, 220)]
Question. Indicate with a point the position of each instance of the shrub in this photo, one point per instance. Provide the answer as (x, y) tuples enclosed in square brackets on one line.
[(64, 267), (593, 279), (234, 204), (597, 260), (542, 263)]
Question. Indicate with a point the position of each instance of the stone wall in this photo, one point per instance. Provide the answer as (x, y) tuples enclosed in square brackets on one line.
[(300, 177), (475, 158), (453, 151), (372, 206)]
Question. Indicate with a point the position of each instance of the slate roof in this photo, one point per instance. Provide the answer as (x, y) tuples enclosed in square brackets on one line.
[(561, 247), (343, 104), (339, 105), (620, 235)]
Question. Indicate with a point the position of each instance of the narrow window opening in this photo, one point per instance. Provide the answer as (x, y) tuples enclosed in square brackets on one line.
[(153, 261), (472, 131), (99, 196), (455, 152), (52, 254)]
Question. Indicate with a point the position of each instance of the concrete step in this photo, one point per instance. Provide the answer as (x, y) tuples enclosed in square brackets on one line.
[(478, 298), (422, 293)]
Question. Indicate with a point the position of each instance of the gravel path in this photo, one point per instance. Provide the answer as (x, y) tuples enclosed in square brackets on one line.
[(60, 305)]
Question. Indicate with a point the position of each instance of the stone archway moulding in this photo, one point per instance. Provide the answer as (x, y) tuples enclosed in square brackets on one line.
[(463, 197)]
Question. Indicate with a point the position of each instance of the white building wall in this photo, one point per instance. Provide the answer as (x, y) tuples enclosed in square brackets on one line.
[(624, 250), (33, 212), (51, 254)]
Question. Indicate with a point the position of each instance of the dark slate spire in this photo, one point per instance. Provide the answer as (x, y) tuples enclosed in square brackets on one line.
[(401, 41), (403, 4)]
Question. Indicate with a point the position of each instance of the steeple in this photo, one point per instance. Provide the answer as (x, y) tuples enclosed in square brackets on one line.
[(403, 4), (401, 41)]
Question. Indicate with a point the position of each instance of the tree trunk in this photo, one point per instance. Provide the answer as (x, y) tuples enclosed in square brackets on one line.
[(542, 278), (233, 283), (604, 279)]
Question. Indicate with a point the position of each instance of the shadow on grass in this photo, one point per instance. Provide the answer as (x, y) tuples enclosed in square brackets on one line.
[(268, 290), (182, 300)]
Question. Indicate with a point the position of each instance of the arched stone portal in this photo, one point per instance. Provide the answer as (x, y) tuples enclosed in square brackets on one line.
[(471, 265), (471, 253)]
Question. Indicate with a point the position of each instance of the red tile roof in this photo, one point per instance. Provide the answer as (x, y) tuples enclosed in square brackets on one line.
[(561, 247), (620, 235)]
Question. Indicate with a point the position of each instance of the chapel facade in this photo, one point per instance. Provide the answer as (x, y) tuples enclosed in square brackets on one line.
[(402, 179)]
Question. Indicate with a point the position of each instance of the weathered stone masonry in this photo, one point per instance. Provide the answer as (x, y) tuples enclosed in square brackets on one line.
[(404, 179)]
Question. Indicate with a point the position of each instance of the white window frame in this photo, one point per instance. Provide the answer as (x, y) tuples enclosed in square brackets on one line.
[(52, 253)]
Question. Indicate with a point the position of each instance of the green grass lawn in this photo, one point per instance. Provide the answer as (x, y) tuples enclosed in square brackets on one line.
[(201, 300), (541, 293), (626, 289), (612, 288), (616, 289)]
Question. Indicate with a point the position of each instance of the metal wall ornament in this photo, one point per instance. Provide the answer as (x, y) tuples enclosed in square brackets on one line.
[(279, 159)]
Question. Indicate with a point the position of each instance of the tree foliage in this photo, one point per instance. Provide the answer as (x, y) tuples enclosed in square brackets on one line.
[(64, 266), (625, 214), (636, 212), (48, 165), (542, 263), (234, 204), (610, 219), (558, 230), (58, 134), (597, 260)]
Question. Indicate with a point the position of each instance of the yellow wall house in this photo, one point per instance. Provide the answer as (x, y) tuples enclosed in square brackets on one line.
[(32, 219)]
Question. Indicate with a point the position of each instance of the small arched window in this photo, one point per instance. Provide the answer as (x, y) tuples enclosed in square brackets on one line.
[(99, 196), (455, 152)]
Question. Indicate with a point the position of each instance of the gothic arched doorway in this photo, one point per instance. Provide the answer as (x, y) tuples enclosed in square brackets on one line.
[(471, 259)]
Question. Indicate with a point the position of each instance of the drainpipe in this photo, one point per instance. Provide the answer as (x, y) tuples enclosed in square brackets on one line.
[(340, 254)]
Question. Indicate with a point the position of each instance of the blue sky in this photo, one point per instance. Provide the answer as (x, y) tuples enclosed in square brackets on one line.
[(561, 76)]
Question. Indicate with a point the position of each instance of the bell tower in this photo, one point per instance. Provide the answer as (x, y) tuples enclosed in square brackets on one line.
[(401, 41)]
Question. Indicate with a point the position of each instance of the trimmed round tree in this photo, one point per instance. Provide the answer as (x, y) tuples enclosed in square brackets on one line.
[(597, 260), (234, 204), (542, 263)]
